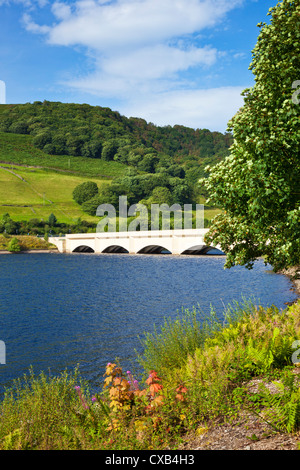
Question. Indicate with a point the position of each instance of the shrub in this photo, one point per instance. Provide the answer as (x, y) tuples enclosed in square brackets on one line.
[(19, 127), (85, 191), (13, 245)]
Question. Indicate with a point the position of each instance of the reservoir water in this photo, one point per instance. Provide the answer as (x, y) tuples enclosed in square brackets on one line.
[(58, 310)]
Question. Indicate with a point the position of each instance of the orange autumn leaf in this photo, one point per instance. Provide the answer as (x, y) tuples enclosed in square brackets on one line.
[(139, 393), (118, 371), (154, 388), (109, 368), (181, 389), (117, 380), (158, 400), (179, 397), (152, 377), (114, 392)]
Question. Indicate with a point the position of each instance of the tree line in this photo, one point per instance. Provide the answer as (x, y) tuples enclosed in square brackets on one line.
[(44, 228)]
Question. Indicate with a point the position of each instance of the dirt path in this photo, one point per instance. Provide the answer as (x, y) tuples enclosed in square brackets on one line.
[(246, 433)]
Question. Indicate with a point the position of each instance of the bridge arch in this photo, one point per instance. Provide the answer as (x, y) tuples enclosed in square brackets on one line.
[(83, 249), (211, 250), (115, 249), (202, 250), (154, 250)]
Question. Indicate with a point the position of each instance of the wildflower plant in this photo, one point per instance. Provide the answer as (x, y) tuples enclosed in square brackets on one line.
[(130, 409)]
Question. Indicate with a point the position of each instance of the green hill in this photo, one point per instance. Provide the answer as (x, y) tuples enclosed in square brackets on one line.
[(71, 128), (28, 192), (49, 148), (34, 184)]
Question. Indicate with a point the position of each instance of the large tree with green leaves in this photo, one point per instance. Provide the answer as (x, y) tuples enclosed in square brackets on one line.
[(258, 185), (85, 191)]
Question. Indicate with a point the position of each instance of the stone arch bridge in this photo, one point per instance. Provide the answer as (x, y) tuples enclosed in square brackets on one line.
[(176, 242)]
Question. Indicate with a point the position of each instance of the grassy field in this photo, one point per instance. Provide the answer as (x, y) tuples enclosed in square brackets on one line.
[(17, 148), (34, 185), (27, 193)]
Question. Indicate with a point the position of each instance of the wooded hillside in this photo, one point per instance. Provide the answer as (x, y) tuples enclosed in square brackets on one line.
[(96, 132)]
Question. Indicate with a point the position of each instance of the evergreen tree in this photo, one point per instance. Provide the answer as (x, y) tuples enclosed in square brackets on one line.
[(52, 220)]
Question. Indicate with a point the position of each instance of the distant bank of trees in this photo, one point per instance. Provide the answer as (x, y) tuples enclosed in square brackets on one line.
[(144, 188), (48, 227)]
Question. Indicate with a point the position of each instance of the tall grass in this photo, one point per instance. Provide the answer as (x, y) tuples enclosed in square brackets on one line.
[(36, 409), (169, 346)]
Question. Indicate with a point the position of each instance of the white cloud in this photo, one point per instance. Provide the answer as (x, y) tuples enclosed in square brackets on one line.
[(125, 23), (61, 11), (210, 109), (240, 55), (140, 48), (157, 61), (136, 40), (32, 27), (150, 70)]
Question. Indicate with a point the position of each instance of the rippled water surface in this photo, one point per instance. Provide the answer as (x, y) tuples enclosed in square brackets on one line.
[(58, 310)]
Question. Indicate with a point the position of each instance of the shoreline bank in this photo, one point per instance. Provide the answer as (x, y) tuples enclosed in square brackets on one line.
[(25, 252), (293, 274)]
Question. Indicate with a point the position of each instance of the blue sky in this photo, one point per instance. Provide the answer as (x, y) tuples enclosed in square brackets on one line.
[(167, 61)]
